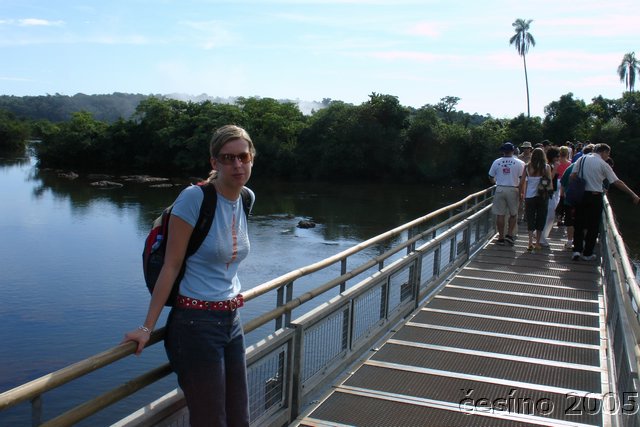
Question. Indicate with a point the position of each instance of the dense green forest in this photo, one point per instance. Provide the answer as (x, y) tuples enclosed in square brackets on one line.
[(378, 139), (58, 108)]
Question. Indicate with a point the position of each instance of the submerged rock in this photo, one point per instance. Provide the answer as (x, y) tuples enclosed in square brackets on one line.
[(106, 184), (144, 179), (68, 175), (306, 224)]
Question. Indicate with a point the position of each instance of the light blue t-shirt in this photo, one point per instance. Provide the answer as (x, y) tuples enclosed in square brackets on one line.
[(211, 273)]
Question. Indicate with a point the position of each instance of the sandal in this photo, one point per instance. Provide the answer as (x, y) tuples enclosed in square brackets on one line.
[(530, 248)]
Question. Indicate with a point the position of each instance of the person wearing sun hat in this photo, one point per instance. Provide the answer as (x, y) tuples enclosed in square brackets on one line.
[(507, 172), (525, 152)]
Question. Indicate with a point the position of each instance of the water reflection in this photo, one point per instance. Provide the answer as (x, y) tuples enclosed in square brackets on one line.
[(13, 159), (346, 211)]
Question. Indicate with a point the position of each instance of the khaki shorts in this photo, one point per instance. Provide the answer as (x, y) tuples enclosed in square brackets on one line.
[(506, 201)]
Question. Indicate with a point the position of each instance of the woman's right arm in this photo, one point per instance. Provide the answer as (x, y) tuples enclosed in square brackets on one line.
[(174, 256)]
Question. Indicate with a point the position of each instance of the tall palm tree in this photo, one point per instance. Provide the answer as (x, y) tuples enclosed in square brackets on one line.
[(523, 39), (627, 70)]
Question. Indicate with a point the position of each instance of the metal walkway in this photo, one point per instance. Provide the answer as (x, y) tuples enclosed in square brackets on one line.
[(515, 338)]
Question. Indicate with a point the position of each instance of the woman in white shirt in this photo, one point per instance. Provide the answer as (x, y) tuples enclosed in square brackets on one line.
[(536, 201)]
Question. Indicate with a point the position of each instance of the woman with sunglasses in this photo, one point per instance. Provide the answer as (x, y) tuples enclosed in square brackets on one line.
[(204, 338)]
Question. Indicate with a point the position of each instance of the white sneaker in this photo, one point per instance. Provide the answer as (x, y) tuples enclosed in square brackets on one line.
[(575, 256), (568, 245), (589, 257)]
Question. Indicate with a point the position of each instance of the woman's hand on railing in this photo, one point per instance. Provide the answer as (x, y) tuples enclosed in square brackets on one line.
[(140, 335)]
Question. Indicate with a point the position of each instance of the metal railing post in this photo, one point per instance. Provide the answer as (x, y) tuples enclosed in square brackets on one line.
[(296, 372), (279, 303), (436, 260), (284, 295), (36, 411), (412, 247), (343, 271), (287, 316), (417, 274)]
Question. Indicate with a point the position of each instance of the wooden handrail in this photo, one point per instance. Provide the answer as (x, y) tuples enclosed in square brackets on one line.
[(92, 406), (62, 376)]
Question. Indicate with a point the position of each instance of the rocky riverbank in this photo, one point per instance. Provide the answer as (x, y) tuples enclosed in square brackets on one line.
[(105, 181)]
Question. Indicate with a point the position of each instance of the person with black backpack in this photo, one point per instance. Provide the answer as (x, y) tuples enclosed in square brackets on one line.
[(204, 340)]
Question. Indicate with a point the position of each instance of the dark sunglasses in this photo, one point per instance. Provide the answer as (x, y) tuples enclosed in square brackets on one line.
[(229, 159)]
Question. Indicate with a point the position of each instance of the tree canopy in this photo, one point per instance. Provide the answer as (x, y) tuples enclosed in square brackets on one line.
[(379, 139)]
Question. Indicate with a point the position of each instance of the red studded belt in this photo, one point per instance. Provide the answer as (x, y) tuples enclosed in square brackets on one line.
[(196, 304)]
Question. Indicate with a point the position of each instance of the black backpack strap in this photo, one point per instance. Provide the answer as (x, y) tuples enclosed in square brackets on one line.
[(207, 213), (247, 201), (205, 218)]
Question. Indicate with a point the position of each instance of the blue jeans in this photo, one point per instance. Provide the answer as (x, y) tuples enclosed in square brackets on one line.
[(207, 352)]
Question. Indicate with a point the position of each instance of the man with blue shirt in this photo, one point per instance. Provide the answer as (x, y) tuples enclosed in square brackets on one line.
[(507, 172)]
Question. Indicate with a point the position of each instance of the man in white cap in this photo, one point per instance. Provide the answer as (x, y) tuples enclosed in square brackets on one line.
[(507, 172)]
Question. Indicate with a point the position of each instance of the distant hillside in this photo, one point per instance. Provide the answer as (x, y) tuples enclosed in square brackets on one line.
[(107, 108), (57, 108)]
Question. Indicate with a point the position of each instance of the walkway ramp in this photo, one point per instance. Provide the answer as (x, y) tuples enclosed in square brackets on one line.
[(514, 339)]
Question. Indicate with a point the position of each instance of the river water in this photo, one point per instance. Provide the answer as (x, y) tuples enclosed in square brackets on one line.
[(70, 265), (71, 278)]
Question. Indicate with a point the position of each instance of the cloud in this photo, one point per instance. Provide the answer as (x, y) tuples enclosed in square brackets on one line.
[(14, 79), (210, 34), (410, 55), (607, 25), (428, 29), (35, 22), (394, 3), (599, 81), (135, 40), (302, 18), (575, 61)]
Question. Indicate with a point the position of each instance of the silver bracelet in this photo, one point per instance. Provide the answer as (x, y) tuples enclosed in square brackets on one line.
[(145, 329)]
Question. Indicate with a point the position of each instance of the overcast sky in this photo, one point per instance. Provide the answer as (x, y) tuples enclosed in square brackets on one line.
[(419, 51)]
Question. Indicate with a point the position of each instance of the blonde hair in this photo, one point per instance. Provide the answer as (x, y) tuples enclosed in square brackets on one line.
[(564, 151), (224, 135)]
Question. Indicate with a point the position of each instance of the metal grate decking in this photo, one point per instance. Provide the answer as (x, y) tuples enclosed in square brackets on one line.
[(514, 339)]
